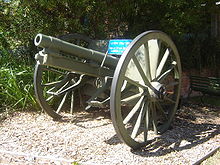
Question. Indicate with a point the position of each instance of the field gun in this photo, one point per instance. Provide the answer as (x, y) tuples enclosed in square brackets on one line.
[(140, 79)]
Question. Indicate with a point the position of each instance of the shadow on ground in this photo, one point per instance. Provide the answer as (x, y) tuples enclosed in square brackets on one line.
[(193, 125), (83, 116), (184, 135)]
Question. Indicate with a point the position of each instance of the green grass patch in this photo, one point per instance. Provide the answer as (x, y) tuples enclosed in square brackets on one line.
[(16, 86), (16, 83)]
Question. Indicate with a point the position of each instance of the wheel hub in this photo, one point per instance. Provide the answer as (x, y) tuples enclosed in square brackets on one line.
[(159, 87)]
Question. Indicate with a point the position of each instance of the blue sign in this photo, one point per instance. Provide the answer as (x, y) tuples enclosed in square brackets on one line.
[(117, 46)]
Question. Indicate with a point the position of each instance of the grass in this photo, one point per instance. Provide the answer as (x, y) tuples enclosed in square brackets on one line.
[(16, 83), (16, 86)]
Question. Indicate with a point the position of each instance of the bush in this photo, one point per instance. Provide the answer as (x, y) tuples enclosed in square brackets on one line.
[(16, 82)]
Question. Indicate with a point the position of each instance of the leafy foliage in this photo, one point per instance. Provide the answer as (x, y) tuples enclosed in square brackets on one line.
[(100, 19), (16, 83), (188, 22)]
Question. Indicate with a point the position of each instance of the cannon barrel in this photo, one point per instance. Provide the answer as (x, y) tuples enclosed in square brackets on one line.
[(53, 43)]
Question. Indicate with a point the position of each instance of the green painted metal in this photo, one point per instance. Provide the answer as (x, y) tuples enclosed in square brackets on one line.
[(144, 84), (206, 85), (58, 45), (52, 59)]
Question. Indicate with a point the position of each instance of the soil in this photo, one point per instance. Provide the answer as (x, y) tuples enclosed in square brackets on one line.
[(89, 138)]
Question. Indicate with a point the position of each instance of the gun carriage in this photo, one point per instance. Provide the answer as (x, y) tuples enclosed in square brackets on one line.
[(142, 86)]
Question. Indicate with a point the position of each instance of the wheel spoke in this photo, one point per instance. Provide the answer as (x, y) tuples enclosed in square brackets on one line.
[(49, 98), (138, 122), (62, 103), (72, 102), (154, 50), (154, 117), (127, 91), (132, 98), (164, 75), (133, 111), (58, 84), (61, 88), (146, 81), (146, 122), (72, 87), (124, 86), (51, 83), (147, 60), (162, 62), (58, 91), (135, 83), (49, 91), (140, 70)]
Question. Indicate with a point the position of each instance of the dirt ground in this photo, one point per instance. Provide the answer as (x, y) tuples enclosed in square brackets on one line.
[(89, 138)]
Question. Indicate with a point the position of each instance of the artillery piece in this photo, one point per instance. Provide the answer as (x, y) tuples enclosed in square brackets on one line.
[(142, 86)]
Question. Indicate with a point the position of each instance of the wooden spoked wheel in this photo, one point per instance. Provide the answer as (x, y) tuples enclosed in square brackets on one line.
[(146, 88), (51, 89), (54, 87)]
